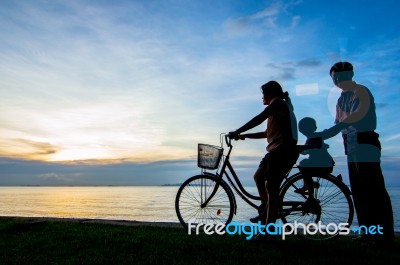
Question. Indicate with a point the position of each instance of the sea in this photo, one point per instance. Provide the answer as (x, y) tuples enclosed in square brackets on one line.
[(139, 203)]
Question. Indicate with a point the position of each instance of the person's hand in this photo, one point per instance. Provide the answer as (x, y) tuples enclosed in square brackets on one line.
[(301, 148), (241, 137), (234, 135)]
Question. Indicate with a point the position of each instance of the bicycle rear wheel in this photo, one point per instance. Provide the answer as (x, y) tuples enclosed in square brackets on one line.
[(204, 199), (332, 206)]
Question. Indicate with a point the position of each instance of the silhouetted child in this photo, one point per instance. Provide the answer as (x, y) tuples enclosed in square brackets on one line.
[(319, 160)]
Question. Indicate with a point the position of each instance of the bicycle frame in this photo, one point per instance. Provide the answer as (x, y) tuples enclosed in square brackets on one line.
[(328, 199), (228, 171)]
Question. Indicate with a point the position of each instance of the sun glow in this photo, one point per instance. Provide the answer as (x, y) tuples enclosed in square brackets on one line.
[(103, 131)]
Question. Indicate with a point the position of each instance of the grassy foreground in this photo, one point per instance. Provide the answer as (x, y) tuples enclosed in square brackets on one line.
[(58, 242)]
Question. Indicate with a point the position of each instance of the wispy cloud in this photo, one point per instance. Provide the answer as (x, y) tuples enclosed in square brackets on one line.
[(392, 137), (268, 20)]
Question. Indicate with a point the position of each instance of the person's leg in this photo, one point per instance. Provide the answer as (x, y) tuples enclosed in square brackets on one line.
[(384, 210), (371, 200), (304, 167), (308, 185), (259, 179), (356, 184), (270, 175), (268, 209), (376, 200), (272, 185), (279, 164)]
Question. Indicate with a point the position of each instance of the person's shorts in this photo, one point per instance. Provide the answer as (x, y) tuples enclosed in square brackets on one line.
[(278, 163)]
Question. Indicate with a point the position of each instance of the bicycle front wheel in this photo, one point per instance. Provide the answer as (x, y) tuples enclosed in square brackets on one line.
[(204, 199), (330, 206)]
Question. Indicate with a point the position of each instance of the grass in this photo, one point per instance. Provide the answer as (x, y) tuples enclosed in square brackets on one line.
[(58, 242)]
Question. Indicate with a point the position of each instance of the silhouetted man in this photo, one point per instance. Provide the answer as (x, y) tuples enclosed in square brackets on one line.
[(356, 119)]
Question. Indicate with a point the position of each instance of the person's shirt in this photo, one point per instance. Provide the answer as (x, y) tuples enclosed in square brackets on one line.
[(281, 125), (356, 109), (318, 155)]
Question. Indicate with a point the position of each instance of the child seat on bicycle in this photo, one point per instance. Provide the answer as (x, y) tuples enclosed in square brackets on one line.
[(319, 160)]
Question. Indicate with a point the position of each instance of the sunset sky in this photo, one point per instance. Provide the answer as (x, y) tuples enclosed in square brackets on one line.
[(120, 92)]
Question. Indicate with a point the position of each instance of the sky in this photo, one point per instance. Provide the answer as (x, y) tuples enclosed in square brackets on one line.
[(120, 92)]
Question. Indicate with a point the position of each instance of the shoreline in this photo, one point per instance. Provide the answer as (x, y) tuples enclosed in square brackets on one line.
[(93, 221)]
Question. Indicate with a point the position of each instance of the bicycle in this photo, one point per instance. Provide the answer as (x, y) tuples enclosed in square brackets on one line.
[(208, 199)]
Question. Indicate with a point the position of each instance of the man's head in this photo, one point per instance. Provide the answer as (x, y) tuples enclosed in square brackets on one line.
[(341, 72)]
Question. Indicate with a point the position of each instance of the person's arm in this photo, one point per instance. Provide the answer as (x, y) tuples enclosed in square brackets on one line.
[(257, 120), (329, 133), (258, 135)]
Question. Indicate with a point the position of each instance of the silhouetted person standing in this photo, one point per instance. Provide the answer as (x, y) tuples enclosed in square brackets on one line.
[(356, 119)]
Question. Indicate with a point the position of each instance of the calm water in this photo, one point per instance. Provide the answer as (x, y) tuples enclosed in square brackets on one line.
[(155, 204)]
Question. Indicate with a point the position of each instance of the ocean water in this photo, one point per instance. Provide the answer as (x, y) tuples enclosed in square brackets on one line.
[(152, 203)]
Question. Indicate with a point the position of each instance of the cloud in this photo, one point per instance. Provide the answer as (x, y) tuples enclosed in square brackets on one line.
[(270, 19), (271, 11), (310, 62), (393, 137), (27, 148), (29, 172), (55, 178), (295, 21), (40, 147), (381, 105), (284, 71), (288, 70)]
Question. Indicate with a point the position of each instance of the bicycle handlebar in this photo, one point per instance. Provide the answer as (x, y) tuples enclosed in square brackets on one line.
[(228, 140)]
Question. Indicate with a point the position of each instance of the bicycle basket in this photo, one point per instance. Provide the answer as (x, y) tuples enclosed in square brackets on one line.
[(209, 156)]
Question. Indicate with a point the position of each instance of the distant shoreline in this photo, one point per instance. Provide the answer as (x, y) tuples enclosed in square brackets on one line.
[(93, 221), (155, 185)]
